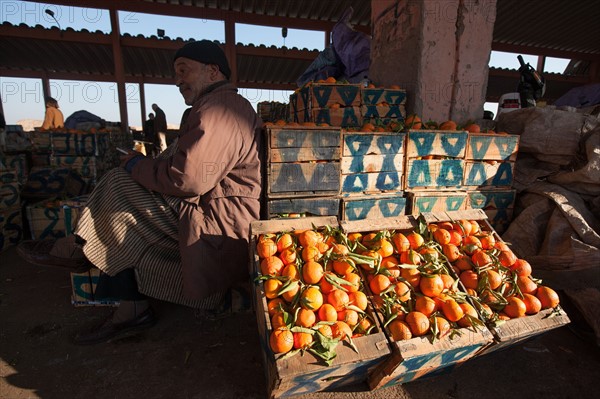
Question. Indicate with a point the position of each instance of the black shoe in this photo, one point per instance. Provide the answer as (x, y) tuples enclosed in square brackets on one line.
[(109, 331), (42, 253)]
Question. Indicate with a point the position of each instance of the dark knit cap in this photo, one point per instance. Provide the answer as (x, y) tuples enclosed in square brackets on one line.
[(206, 52)]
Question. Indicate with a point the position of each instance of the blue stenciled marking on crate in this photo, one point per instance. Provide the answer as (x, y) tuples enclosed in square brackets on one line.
[(499, 200), (413, 368), (12, 230), (393, 112), (9, 195), (450, 173), (347, 93), (506, 146), (290, 177), (70, 143), (453, 144), (428, 204), (501, 176), (386, 208), (359, 182), (349, 117)]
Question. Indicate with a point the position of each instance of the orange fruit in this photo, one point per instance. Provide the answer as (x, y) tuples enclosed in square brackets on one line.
[(311, 298), (385, 248), (281, 340), (547, 296), (494, 279), (325, 285), (308, 238), (306, 318), (272, 287), (402, 291), (443, 327), (302, 340), (415, 239), (532, 304), (412, 276), (288, 256), (284, 241), (473, 128), (447, 125), (448, 281), (521, 267), (312, 272), (389, 262), (275, 305), (410, 257), (442, 236), (470, 279), (526, 285), (325, 329), (463, 263), (515, 307), (358, 299), (462, 226), (354, 237), (266, 247), (271, 266), (426, 305), (399, 330), (349, 316), (468, 310), (456, 237), (342, 266), (431, 285), (341, 330), (413, 122), (379, 283), (418, 323), (487, 241), (507, 258), (331, 79), (481, 258), (291, 271), (291, 291), (338, 299), (327, 312), (452, 310), (310, 253), (451, 252), (339, 249), (400, 242)]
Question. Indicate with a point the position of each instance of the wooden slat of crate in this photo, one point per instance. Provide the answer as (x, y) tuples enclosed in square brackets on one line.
[(302, 179), (371, 183), (314, 137), (40, 141), (9, 195), (305, 374), (488, 174), (374, 96), (494, 199), (445, 143), (372, 163), (322, 95), (53, 218), (418, 357), (48, 182), (434, 174), (320, 206), (367, 143), (373, 207), (441, 201), (386, 113), (16, 163), (83, 165), (344, 116), (484, 146), (11, 227), (74, 143)]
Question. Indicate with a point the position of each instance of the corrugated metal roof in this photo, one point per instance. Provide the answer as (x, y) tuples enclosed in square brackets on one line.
[(554, 28)]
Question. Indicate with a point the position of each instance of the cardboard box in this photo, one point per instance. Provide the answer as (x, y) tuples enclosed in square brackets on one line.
[(302, 162), (84, 290), (288, 376), (436, 201), (11, 227)]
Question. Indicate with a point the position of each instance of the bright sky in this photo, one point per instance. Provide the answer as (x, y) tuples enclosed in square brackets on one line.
[(23, 98)]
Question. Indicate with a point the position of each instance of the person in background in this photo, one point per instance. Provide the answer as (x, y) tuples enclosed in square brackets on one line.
[(160, 129), (54, 118), (175, 227), (149, 134)]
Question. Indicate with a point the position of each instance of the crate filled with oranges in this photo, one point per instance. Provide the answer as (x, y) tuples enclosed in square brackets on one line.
[(315, 321), (514, 304), (429, 321)]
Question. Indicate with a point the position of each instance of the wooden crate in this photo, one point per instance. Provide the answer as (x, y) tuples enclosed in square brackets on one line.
[(323, 95), (16, 163), (488, 174), (417, 357), (51, 182), (434, 174), (54, 218), (40, 141), (379, 95), (498, 206), (80, 143), (84, 165), (343, 116), (9, 189), (485, 146), (306, 374), (372, 163), (372, 207), (302, 162), (317, 206), (383, 113), (436, 201), (436, 143), (11, 227), (515, 330), (83, 287)]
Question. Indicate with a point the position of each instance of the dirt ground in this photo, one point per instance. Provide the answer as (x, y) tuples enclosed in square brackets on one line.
[(184, 357)]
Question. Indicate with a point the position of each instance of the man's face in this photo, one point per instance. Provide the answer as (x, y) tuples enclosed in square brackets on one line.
[(192, 77)]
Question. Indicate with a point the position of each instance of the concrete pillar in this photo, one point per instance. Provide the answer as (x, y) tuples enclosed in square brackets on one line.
[(438, 50)]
